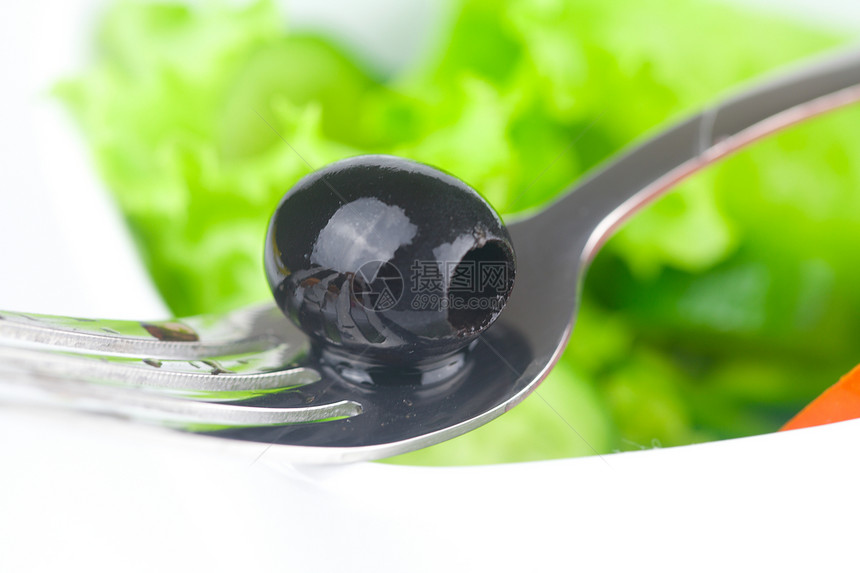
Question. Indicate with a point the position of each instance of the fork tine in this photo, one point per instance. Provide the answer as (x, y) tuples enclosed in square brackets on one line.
[(171, 376), (173, 372), (150, 407), (246, 330)]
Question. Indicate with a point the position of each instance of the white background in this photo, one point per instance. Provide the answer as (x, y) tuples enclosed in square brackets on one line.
[(87, 494)]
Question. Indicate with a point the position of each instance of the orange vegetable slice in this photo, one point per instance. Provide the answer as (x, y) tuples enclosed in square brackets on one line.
[(839, 402)]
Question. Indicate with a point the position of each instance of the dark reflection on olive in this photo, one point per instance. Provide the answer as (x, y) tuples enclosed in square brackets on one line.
[(386, 262)]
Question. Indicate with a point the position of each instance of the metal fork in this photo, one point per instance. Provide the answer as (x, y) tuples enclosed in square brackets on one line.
[(248, 375)]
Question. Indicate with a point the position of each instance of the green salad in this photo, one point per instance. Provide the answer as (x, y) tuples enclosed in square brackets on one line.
[(717, 312)]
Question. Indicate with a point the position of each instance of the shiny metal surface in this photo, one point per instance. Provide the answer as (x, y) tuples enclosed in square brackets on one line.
[(276, 398)]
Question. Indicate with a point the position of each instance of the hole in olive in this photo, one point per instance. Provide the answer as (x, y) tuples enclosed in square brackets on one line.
[(490, 269)]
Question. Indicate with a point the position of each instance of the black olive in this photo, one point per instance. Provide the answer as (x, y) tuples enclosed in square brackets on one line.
[(388, 261)]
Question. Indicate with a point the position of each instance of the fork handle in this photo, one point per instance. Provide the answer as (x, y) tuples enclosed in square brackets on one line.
[(596, 207)]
